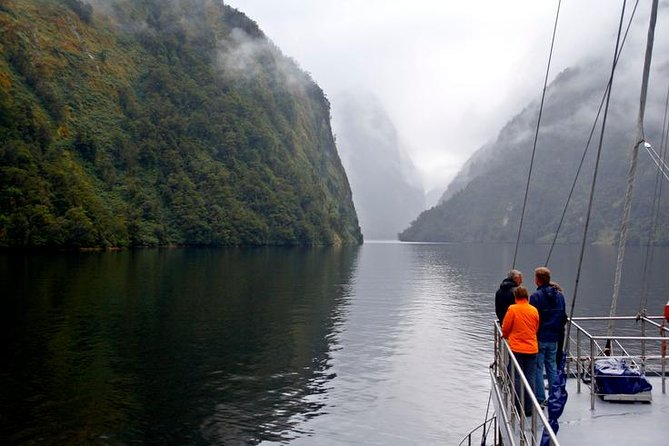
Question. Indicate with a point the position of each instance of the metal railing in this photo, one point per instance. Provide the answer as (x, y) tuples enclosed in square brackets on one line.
[(647, 354), (511, 410), (488, 427)]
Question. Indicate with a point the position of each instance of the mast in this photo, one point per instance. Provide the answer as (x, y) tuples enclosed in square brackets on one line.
[(639, 140)]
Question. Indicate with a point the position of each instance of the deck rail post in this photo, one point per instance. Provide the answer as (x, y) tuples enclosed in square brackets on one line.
[(496, 435), (579, 366), (521, 411), (503, 373), (534, 425), (514, 392), (663, 351), (643, 345), (497, 355), (592, 374)]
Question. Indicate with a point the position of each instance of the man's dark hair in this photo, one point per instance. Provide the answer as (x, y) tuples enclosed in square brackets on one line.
[(520, 292)]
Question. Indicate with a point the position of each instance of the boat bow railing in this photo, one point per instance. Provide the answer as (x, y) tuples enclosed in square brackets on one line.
[(514, 427), (485, 429), (645, 353)]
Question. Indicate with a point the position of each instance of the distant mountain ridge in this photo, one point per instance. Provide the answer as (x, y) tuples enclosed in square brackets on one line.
[(160, 123), (386, 186), (484, 201)]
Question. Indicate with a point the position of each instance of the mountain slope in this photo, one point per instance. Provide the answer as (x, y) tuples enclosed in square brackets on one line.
[(157, 123), (484, 201)]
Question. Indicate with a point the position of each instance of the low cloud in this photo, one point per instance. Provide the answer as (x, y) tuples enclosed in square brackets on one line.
[(450, 74), (244, 57)]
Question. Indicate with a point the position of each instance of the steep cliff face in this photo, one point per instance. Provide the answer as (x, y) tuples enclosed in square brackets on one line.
[(160, 122), (386, 185), (484, 202)]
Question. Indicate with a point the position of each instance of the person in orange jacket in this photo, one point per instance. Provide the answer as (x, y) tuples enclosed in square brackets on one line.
[(519, 328)]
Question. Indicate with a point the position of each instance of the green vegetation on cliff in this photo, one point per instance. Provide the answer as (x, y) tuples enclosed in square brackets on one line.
[(143, 123)]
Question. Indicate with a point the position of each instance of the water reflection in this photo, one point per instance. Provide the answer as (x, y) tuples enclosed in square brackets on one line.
[(417, 342), (384, 344), (168, 347)]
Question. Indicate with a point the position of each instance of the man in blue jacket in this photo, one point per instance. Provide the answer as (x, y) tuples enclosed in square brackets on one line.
[(549, 302)]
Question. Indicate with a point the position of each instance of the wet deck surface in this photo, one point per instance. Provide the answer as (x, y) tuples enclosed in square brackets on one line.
[(613, 423)]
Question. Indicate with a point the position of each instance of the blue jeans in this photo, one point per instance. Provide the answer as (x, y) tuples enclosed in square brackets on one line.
[(545, 358)]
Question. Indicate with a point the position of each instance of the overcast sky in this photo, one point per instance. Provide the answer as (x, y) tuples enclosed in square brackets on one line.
[(450, 73)]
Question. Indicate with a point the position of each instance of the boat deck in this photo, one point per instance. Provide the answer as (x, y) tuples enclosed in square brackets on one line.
[(610, 422), (614, 423)]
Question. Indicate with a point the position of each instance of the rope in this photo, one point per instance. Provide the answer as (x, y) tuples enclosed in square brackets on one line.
[(633, 164), (594, 176), (587, 145), (536, 135)]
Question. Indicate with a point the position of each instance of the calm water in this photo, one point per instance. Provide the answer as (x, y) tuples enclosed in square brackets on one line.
[(384, 344)]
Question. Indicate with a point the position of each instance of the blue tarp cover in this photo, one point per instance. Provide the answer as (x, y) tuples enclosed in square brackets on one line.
[(614, 376)]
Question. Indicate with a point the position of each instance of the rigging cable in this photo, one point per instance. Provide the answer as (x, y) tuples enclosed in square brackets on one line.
[(655, 209), (587, 145), (594, 176), (640, 139), (662, 166), (536, 134)]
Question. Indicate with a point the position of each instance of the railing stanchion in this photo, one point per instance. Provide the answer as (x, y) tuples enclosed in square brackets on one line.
[(496, 358), (643, 345), (592, 374), (496, 435), (579, 368), (534, 425), (514, 395), (663, 350)]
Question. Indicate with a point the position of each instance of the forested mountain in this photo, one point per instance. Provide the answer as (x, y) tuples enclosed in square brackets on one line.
[(484, 202), (153, 122), (386, 186)]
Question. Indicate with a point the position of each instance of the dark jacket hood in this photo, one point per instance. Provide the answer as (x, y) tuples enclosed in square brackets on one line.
[(507, 284)]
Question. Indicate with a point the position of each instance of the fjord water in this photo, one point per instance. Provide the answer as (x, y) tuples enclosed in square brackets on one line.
[(385, 344)]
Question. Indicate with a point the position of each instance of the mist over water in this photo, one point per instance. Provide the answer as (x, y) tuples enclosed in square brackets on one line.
[(386, 343)]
